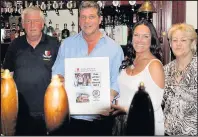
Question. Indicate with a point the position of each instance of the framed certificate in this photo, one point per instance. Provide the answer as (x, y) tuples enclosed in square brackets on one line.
[(87, 83)]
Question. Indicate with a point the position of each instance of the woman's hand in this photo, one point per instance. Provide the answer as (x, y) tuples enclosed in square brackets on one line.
[(115, 110), (108, 112), (118, 109)]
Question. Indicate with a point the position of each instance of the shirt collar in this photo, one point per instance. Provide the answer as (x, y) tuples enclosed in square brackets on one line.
[(43, 37)]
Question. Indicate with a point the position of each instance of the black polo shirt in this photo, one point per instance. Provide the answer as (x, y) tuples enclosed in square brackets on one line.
[(32, 69)]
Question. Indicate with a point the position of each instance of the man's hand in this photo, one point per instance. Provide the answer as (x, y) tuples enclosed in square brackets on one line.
[(61, 79)]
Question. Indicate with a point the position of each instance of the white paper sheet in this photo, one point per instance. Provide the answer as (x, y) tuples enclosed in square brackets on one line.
[(87, 83)]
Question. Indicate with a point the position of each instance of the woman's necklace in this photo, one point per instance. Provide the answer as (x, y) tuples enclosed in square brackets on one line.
[(179, 73)]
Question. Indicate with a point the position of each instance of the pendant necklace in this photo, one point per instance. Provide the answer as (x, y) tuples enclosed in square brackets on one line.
[(178, 72)]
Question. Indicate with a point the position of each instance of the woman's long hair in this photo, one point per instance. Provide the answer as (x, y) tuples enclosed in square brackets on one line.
[(155, 47)]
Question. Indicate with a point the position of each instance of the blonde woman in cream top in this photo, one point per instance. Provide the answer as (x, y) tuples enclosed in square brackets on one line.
[(143, 64)]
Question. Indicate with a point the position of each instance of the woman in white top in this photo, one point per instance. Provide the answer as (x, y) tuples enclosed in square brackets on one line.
[(143, 64)]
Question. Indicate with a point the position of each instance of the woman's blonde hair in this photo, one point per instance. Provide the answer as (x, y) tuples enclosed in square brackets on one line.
[(32, 9), (185, 28)]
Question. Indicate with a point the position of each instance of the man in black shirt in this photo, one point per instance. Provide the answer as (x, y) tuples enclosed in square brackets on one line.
[(30, 58)]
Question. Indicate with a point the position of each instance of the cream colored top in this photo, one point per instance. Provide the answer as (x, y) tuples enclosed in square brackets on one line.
[(129, 85)]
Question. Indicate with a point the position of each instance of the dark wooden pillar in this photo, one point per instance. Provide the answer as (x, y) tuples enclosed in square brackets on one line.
[(178, 15), (162, 20), (178, 11)]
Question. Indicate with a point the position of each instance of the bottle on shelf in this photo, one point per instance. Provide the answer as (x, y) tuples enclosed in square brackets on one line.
[(2, 29), (50, 29), (21, 32), (109, 27), (73, 32), (13, 31), (57, 33), (2, 22), (7, 25), (65, 32), (19, 23), (45, 29), (134, 18), (101, 26), (17, 31), (7, 33)]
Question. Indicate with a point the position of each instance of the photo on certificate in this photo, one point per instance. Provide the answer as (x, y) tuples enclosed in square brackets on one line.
[(82, 79), (87, 84), (82, 98)]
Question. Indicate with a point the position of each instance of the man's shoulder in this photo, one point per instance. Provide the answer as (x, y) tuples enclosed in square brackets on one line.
[(21, 39), (71, 41), (18, 43), (51, 41), (114, 47), (110, 40), (72, 38), (112, 44), (50, 38)]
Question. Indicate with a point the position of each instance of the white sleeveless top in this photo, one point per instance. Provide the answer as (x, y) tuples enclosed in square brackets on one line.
[(129, 85)]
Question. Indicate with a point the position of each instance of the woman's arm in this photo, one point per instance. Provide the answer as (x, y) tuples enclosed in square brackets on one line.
[(157, 73)]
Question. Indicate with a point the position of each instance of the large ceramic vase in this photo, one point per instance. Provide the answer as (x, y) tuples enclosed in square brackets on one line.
[(56, 107), (9, 104)]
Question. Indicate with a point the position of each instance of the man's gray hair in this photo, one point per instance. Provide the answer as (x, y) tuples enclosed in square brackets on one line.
[(89, 4), (32, 9)]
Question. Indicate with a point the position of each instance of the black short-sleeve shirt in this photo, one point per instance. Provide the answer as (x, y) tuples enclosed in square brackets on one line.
[(32, 69)]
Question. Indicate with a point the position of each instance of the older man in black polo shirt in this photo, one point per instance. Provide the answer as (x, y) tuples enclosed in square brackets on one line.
[(30, 58)]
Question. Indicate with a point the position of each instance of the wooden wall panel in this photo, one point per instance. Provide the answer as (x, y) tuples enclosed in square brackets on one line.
[(162, 20), (178, 11)]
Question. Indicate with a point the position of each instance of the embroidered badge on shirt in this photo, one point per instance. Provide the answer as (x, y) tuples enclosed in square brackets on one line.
[(47, 55)]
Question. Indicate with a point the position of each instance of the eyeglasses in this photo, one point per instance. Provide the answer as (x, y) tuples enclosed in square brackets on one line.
[(28, 21)]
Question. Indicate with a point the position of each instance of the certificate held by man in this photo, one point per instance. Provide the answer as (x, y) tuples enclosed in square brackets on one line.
[(87, 83)]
